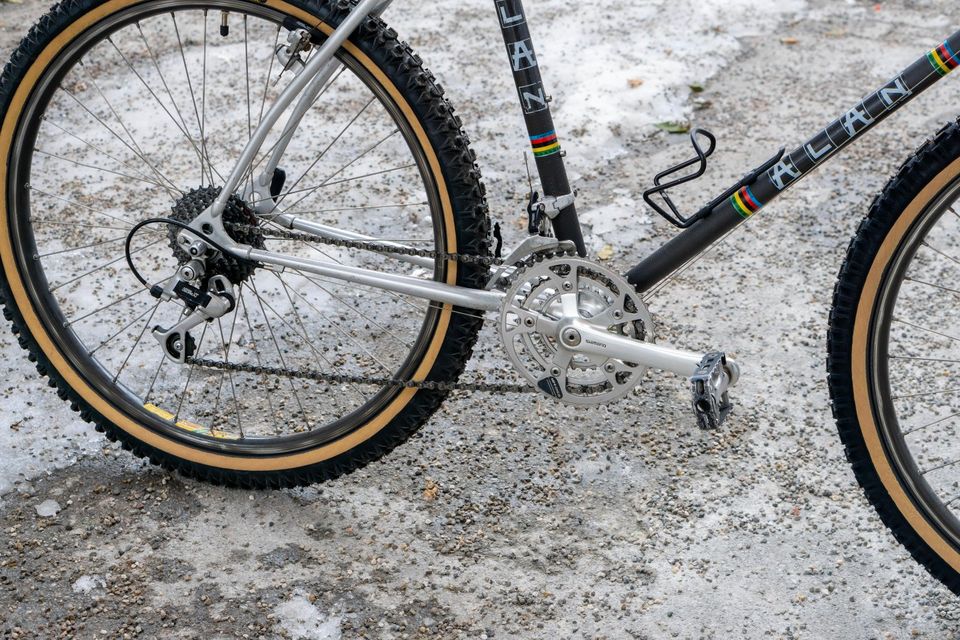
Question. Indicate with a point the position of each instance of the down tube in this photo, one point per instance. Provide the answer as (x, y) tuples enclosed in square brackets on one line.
[(752, 197)]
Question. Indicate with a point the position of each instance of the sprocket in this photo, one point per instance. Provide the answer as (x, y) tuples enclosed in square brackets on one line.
[(534, 310), (240, 222)]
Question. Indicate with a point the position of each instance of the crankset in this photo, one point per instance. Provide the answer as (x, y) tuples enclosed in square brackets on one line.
[(547, 308), (580, 333)]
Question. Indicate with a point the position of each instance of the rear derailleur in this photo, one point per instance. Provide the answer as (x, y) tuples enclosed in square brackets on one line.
[(210, 298)]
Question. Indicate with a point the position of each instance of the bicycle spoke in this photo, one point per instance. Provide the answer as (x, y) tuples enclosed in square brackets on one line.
[(125, 327), (226, 343), (143, 177), (173, 101), (916, 326), (246, 82), (303, 336), (266, 80), (256, 351), (939, 467), (193, 98), (190, 369), (95, 269), (932, 285), (370, 208), (172, 191), (926, 394), (923, 359), (86, 246), (352, 308), (327, 181), (71, 323), (930, 424), (314, 188), (940, 253), (203, 103), (73, 203), (323, 153), (137, 149), (135, 343), (152, 93), (273, 336), (91, 166)]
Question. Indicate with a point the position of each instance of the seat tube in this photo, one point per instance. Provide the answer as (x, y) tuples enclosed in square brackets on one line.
[(536, 112)]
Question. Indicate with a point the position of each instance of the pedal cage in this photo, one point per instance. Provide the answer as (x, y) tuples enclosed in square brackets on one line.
[(711, 399)]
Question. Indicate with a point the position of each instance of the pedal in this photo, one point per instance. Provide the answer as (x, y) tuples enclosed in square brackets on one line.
[(711, 400)]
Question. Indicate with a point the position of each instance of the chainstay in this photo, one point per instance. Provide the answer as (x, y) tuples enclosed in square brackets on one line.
[(336, 378), (376, 247)]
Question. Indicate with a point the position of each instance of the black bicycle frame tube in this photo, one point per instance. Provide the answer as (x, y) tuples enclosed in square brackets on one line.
[(752, 196), (536, 113)]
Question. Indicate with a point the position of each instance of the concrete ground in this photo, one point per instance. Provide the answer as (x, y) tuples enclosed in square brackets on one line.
[(518, 518)]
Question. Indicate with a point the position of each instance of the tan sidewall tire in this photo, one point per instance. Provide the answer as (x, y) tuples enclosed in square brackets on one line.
[(860, 367), (88, 395)]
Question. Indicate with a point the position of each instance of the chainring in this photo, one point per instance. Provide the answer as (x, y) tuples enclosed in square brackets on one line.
[(604, 299)]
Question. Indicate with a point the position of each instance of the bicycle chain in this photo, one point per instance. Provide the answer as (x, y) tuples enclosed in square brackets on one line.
[(337, 378), (320, 376), (365, 245)]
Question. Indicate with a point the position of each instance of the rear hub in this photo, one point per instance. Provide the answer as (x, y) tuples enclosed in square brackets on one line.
[(241, 224)]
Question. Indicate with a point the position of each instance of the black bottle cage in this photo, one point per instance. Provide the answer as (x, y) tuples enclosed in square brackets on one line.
[(660, 188)]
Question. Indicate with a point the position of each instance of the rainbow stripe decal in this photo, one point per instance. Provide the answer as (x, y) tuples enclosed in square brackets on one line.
[(545, 144), (943, 59), (745, 203)]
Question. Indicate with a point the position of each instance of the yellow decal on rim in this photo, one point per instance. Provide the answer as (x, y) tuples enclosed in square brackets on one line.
[(189, 426)]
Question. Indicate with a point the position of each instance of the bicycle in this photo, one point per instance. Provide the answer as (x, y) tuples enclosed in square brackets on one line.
[(260, 328)]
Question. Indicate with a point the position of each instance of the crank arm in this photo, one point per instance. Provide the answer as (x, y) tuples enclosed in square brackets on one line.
[(580, 337)]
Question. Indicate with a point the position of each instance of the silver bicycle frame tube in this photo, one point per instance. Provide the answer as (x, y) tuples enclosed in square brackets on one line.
[(303, 105), (291, 91), (478, 299)]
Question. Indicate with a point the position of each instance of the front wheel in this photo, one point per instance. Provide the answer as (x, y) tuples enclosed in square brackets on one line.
[(122, 110), (894, 355)]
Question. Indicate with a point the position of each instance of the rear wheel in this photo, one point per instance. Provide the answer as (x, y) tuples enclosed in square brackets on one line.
[(121, 111), (894, 355)]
